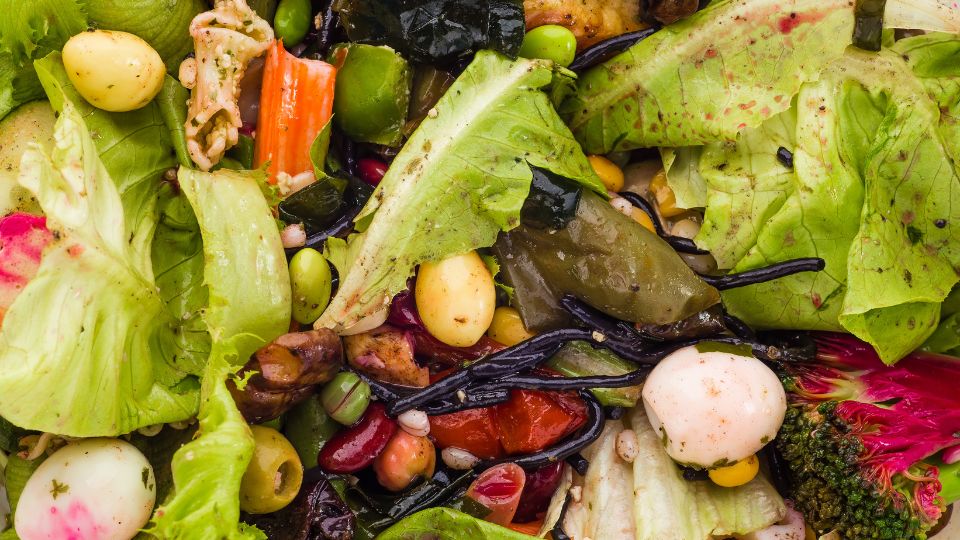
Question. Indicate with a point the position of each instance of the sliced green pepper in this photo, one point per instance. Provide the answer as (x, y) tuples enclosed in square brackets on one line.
[(372, 92), (579, 359), (605, 259)]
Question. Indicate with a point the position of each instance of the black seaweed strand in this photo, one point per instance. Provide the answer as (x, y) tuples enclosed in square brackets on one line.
[(526, 355), (585, 436), (608, 48), (678, 243), (579, 463), (768, 273), (557, 532)]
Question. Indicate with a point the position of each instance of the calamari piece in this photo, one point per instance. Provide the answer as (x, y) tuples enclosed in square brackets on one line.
[(225, 39), (589, 20)]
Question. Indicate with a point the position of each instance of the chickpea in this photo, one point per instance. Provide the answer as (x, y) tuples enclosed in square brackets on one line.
[(405, 458), (113, 71), (456, 299)]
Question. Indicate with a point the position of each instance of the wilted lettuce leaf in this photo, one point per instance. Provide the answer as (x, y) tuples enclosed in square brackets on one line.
[(872, 193), (249, 304), (31, 30), (650, 500), (708, 77), (460, 179), (448, 524), (77, 339)]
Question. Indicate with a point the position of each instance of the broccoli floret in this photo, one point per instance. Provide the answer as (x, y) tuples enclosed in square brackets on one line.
[(862, 440)]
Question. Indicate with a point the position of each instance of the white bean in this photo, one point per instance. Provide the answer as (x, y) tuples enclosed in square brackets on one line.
[(458, 458), (627, 445), (415, 423)]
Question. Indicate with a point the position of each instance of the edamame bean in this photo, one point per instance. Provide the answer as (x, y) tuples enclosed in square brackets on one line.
[(310, 280), (292, 21), (550, 42), (345, 398)]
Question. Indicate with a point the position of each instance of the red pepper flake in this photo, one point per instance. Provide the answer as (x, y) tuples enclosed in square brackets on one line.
[(787, 24), (711, 53), (749, 105), (741, 126), (817, 300), (709, 116)]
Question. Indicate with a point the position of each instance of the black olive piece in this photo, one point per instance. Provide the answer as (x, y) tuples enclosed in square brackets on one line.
[(785, 157), (694, 475)]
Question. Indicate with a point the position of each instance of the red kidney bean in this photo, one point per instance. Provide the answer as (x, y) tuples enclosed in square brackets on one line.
[(371, 170), (499, 488), (538, 490), (355, 447)]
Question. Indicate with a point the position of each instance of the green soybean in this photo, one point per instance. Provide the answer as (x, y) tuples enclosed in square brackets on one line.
[(550, 42), (292, 21), (308, 427), (345, 398), (310, 281)]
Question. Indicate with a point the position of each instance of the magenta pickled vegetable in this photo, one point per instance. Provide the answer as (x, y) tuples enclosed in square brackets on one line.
[(355, 447), (23, 237)]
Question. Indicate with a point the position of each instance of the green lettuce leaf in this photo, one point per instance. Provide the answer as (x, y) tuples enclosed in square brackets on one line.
[(870, 193), (31, 30), (88, 356), (448, 524), (163, 24), (246, 268), (708, 77), (249, 304), (460, 179), (207, 470)]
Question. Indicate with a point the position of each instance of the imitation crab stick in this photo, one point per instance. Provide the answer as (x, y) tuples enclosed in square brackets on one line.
[(296, 102)]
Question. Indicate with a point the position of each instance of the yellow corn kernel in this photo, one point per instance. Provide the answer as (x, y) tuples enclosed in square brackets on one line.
[(609, 173), (663, 194)]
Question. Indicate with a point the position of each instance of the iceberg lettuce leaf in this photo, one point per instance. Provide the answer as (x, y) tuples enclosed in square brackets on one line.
[(31, 30), (249, 304), (460, 179), (729, 67), (872, 192), (92, 364), (207, 470)]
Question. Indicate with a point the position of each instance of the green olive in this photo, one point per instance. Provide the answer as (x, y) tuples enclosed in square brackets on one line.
[(372, 94), (550, 42), (311, 281), (345, 398), (292, 21), (308, 427), (274, 474)]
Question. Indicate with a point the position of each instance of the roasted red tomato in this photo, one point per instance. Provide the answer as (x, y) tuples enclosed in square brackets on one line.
[(473, 430), (531, 420)]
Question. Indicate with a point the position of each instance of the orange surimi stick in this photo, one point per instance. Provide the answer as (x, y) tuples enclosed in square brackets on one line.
[(296, 102)]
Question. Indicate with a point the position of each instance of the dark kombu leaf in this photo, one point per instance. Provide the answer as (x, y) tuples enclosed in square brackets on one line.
[(317, 513), (436, 31)]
